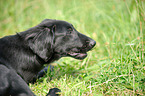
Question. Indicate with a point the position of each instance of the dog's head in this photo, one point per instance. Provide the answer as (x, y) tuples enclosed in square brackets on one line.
[(58, 37)]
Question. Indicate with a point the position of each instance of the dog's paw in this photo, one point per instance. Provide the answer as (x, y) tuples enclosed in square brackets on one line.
[(54, 92)]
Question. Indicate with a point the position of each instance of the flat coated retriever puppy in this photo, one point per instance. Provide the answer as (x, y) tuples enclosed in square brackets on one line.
[(23, 55)]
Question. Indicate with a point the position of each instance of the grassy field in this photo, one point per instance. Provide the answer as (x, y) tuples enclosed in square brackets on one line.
[(116, 65)]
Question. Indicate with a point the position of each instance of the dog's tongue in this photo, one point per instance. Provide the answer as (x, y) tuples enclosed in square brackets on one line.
[(81, 55), (78, 55), (74, 54)]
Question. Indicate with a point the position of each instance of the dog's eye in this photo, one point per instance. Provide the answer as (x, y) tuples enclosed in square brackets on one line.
[(69, 30)]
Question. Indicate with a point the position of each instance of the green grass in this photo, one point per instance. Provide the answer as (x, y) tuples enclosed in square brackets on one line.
[(116, 65)]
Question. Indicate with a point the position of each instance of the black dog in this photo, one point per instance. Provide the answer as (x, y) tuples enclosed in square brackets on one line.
[(23, 55)]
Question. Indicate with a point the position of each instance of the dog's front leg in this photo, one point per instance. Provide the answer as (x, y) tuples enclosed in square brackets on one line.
[(12, 84)]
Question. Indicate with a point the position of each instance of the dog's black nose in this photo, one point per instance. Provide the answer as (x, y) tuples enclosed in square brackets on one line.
[(92, 43)]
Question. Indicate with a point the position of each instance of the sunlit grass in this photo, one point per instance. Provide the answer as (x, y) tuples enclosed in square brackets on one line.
[(114, 67)]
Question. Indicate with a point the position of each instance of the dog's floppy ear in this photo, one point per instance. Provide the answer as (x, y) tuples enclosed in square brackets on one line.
[(41, 41)]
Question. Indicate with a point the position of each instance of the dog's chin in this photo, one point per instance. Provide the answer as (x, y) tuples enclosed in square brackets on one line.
[(78, 55)]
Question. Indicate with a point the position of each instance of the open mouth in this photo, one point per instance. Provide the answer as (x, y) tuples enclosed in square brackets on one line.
[(78, 55)]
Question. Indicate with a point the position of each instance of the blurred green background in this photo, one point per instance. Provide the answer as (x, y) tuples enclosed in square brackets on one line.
[(114, 67)]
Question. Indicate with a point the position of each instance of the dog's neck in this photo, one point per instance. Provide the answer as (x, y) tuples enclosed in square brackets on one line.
[(33, 64)]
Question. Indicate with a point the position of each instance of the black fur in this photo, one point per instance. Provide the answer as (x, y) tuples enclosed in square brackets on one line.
[(23, 55)]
